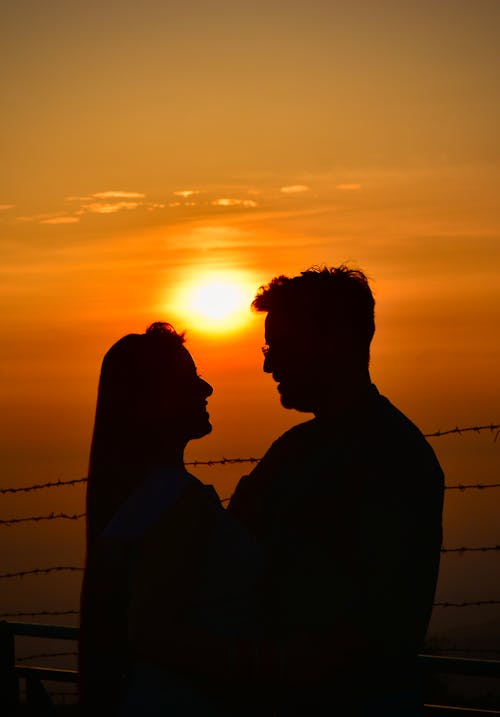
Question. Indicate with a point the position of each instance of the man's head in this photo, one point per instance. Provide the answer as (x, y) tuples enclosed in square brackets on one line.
[(319, 326)]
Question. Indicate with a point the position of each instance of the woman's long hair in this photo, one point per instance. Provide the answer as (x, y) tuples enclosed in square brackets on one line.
[(129, 419), (136, 385)]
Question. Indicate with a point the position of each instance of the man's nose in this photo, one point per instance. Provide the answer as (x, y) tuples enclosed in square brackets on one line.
[(206, 388), (267, 367)]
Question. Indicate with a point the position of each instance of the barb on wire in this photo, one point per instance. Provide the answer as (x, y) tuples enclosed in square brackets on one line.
[(46, 654), (467, 549), (39, 613), (37, 518), (40, 571), (472, 603)]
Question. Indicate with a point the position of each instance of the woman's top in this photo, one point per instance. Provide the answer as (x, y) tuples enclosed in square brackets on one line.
[(170, 553)]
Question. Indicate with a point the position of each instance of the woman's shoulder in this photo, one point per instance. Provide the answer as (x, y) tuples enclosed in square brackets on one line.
[(155, 495)]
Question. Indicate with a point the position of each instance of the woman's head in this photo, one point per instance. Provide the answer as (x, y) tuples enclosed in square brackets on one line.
[(150, 403), (150, 392)]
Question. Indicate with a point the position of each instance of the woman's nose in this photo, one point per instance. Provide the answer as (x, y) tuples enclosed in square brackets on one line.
[(207, 388)]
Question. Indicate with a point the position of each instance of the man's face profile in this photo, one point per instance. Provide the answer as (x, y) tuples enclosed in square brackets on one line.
[(294, 360)]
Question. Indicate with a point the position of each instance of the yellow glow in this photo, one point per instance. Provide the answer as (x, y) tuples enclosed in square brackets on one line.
[(216, 301)]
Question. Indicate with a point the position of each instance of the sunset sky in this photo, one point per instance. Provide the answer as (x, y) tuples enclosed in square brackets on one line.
[(150, 146)]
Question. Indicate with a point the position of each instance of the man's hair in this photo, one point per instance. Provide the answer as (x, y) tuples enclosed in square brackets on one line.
[(325, 300)]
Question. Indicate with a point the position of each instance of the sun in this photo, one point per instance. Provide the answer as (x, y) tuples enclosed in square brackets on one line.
[(216, 301)]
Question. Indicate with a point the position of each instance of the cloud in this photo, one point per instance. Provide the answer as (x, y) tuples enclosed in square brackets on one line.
[(226, 202), (92, 204), (348, 187), (41, 217), (60, 220), (3, 207), (110, 207), (186, 192), (111, 194), (118, 194), (295, 189)]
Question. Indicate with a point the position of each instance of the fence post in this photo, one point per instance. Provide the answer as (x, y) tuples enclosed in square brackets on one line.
[(9, 684)]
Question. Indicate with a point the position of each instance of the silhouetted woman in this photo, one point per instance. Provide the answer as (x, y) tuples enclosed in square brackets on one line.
[(161, 551)]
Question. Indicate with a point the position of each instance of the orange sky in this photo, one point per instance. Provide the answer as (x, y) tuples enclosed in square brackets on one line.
[(146, 144)]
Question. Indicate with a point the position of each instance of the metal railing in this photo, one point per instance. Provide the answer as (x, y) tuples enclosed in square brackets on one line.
[(37, 696), (39, 699)]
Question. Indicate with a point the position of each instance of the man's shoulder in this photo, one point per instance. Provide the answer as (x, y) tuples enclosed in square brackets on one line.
[(396, 440), (294, 445), (388, 420), (300, 432), (277, 465)]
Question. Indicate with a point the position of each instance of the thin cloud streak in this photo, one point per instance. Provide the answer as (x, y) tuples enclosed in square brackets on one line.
[(61, 220), (40, 217), (118, 194), (110, 207), (228, 202), (186, 193), (295, 189)]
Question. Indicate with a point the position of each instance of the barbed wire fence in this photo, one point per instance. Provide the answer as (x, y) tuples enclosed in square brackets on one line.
[(54, 569)]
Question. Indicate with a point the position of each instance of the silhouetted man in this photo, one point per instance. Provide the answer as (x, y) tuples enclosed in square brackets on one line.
[(348, 508)]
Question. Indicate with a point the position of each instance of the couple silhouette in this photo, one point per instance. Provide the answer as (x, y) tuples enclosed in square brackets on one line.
[(311, 593)]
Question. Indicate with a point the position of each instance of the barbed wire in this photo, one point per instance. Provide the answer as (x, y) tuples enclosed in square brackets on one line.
[(466, 603), (37, 518), (59, 483), (446, 604), (468, 549), (61, 568), (458, 431), (228, 461), (40, 571), (467, 486), (39, 486), (222, 461)]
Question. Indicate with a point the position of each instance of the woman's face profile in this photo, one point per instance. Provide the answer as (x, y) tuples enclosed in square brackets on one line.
[(186, 401)]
